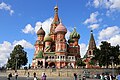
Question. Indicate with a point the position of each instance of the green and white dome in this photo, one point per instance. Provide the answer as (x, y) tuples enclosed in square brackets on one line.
[(74, 34), (47, 38)]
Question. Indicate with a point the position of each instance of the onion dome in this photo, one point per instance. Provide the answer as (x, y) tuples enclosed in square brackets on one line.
[(70, 41), (47, 38), (40, 54), (60, 28), (74, 34), (41, 31)]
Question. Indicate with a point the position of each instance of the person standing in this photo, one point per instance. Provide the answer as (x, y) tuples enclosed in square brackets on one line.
[(35, 77), (110, 77), (75, 76), (28, 76), (102, 76), (118, 77), (16, 75), (44, 76)]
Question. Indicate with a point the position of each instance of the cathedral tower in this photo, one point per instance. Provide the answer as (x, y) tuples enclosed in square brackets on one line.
[(89, 53), (39, 47), (91, 46), (61, 46), (73, 42), (39, 44), (54, 23)]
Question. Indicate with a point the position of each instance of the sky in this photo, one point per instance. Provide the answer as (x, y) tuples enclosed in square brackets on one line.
[(20, 20)]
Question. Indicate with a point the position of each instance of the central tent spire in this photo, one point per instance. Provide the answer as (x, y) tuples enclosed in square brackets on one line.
[(56, 20)]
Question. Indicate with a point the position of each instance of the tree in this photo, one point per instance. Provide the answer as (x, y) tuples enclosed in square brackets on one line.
[(79, 62), (104, 54), (92, 62), (21, 59)]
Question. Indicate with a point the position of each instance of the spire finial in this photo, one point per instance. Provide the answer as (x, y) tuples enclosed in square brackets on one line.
[(74, 28), (91, 31), (41, 26), (60, 20)]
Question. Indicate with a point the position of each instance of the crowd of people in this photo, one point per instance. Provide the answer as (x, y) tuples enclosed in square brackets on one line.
[(43, 76), (109, 76), (103, 76)]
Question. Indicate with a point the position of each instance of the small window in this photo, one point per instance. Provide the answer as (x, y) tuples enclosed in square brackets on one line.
[(61, 57), (72, 57), (69, 57), (52, 57), (89, 52)]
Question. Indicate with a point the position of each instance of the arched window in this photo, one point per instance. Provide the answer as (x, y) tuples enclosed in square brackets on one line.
[(89, 52)]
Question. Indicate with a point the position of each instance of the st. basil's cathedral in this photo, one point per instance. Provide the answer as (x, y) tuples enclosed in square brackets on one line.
[(53, 50)]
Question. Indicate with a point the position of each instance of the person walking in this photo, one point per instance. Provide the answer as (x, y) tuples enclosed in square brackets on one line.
[(9, 76), (118, 77), (43, 76)]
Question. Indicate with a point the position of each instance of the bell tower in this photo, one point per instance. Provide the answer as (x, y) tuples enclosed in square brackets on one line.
[(92, 45)]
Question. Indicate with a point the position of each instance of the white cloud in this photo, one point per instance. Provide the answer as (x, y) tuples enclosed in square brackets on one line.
[(4, 6), (92, 18), (28, 29), (83, 49), (108, 4), (37, 26), (45, 25), (93, 26), (96, 3), (24, 43), (5, 50), (114, 40), (7, 47), (110, 34), (67, 34)]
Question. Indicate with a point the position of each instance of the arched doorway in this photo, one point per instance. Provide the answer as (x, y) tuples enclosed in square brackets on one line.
[(40, 64), (46, 64), (52, 65), (69, 65)]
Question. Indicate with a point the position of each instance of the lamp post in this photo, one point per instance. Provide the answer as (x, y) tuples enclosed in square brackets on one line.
[(112, 58), (16, 56)]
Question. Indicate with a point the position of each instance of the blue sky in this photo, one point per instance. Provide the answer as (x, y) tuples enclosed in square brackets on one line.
[(20, 19)]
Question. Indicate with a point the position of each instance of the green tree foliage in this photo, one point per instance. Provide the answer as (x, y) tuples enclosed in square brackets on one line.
[(92, 62), (21, 59), (80, 63), (106, 54)]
